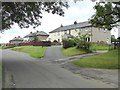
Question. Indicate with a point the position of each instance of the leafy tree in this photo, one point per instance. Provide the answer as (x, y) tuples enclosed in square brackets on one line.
[(81, 41), (113, 38), (28, 13), (107, 15), (68, 42), (118, 38)]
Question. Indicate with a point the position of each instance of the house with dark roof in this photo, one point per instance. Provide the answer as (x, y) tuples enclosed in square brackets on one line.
[(40, 35), (16, 40), (97, 34)]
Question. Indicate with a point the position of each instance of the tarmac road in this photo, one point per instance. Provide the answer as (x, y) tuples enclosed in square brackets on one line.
[(27, 72)]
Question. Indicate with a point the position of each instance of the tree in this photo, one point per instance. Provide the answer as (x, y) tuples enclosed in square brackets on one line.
[(28, 13), (81, 41), (107, 15), (113, 38)]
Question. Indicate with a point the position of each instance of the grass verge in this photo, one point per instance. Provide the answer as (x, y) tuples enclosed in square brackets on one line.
[(7, 47), (107, 60), (34, 51), (72, 51), (99, 47)]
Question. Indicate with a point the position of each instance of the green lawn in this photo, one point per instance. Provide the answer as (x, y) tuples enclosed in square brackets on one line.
[(99, 47), (34, 51), (72, 51), (107, 60)]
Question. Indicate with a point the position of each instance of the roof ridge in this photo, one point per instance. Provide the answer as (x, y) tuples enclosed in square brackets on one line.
[(71, 26)]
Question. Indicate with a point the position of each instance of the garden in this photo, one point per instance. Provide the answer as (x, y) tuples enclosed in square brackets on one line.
[(78, 45)]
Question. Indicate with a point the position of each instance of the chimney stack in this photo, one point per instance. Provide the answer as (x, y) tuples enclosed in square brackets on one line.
[(61, 25), (75, 22)]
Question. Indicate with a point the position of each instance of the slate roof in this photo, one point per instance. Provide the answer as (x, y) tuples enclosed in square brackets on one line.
[(72, 26), (17, 39), (38, 33)]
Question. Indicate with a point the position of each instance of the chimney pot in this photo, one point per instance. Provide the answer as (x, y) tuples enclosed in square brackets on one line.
[(61, 25), (75, 22)]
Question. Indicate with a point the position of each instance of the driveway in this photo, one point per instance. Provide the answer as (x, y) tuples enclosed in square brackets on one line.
[(54, 53), (24, 71)]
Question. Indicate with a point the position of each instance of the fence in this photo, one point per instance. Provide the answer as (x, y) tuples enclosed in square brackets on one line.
[(42, 43), (116, 44)]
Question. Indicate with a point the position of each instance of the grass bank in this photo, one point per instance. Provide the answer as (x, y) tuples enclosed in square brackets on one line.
[(7, 47), (34, 51), (107, 60), (99, 47), (72, 51)]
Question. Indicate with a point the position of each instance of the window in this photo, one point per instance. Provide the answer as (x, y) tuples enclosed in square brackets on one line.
[(105, 31), (88, 39), (58, 33), (58, 40), (79, 29), (69, 32), (65, 32)]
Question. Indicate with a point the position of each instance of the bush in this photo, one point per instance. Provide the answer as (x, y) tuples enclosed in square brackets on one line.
[(68, 43), (84, 45), (81, 41)]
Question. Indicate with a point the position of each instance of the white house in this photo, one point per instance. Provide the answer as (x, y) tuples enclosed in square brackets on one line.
[(40, 35), (97, 34), (16, 40)]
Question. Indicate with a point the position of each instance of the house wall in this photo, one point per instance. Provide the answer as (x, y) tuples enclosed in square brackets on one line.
[(101, 35), (42, 38), (15, 42), (56, 36), (74, 32)]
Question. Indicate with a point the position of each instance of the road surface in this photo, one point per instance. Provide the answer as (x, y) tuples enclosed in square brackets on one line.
[(27, 72)]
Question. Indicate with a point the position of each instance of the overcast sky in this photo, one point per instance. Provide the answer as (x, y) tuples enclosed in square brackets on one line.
[(80, 11)]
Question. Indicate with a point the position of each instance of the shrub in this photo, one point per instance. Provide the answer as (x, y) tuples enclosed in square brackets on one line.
[(68, 43), (84, 45), (81, 41)]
